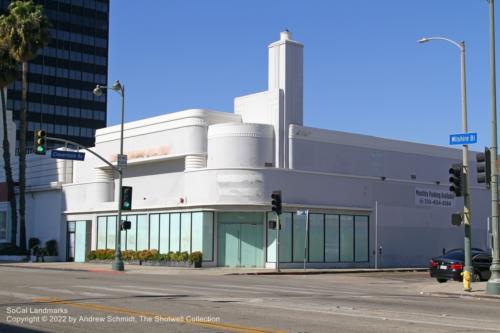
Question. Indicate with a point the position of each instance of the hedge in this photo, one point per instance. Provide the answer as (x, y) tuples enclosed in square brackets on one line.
[(147, 255)]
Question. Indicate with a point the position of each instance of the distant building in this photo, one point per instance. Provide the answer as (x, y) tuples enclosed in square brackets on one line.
[(202, 180), (62, 77)]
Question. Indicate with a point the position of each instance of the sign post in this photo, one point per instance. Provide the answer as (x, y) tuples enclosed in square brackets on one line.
[(306, 213)]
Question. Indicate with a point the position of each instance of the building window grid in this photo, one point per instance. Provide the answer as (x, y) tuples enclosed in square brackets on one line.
[(124, 242), (293, 260)]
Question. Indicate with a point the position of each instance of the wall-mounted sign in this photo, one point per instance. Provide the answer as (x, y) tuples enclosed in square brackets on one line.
[(434, 198)]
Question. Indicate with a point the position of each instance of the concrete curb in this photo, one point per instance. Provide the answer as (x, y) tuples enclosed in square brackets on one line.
[(49, 268), (339, 271), (461, 294)]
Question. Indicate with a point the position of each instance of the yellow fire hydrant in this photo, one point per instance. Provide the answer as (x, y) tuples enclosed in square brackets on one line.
[(466, 280)]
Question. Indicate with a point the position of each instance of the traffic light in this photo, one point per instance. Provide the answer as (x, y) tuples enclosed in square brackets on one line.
[(125, 225), (272, 225), (484, 167), (276, 202), (456, 219), (40, 145), (456, 176), (126, 203)]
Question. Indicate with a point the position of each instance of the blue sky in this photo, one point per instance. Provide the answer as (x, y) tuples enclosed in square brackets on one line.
[(364, 71)]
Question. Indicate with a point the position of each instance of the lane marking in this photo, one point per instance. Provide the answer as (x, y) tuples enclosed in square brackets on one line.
[(122, 290), (175, 289), (19, 295), (291, 290), (112, 309), (71, 292)]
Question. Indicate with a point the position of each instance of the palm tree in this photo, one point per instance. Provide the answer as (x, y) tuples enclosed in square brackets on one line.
[(26, 31), (8, 73)]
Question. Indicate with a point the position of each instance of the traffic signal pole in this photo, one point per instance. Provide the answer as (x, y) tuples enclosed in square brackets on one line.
[(278, 227), (276, 208), (468, 270)]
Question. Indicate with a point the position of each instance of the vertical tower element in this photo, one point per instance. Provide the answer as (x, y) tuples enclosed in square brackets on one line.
[(286, 72)]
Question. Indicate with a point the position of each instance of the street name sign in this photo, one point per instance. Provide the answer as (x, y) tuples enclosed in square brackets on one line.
[(463, 138), (67, 155)]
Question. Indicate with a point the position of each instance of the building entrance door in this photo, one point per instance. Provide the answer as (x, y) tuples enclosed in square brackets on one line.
[(240, 245), (77, 241)]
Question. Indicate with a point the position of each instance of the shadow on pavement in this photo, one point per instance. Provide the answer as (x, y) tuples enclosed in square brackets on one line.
[(6, 328)]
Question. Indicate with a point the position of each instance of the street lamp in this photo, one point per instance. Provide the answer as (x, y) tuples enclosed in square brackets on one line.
[(465, 158), (493, 286), (120, 89)]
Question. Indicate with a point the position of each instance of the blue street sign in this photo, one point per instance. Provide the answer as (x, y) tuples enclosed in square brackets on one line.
[(67, 155), (463, 139)]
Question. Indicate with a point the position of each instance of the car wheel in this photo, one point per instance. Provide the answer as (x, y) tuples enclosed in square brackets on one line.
[(441, 280)]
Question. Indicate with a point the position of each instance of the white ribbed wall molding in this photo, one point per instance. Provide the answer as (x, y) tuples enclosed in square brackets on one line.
[(193, 162)]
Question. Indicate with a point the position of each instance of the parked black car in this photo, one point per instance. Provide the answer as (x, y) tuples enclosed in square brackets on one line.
[(450, 265)]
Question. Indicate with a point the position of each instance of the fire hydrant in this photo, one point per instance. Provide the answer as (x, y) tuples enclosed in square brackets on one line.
[(466, 280)]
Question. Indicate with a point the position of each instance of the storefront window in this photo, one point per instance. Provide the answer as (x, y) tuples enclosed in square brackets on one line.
[(101, 232), (175, 220), (361, 238), (132, 233), (331, 238), (154, 230), (142, 232), (346, 238), (164, 233), (316, 238), (111, 232), (197, 232), (299, 231), (185, 232)]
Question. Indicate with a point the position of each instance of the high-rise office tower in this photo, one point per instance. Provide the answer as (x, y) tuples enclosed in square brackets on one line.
[(61, 78)]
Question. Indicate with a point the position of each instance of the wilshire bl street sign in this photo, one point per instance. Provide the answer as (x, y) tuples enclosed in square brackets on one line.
[(67, 155), (463, 138)]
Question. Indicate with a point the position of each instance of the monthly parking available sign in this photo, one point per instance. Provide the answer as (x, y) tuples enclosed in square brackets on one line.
[(434, 198)]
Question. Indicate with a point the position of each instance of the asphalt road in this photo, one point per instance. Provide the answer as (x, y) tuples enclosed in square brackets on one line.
[(62, 301)]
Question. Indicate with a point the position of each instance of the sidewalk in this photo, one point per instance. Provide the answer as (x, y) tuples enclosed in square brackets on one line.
[(455, 289), (161, 270)]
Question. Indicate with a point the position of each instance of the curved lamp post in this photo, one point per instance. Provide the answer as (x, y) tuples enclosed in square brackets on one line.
[(465, 158), (120, 89)]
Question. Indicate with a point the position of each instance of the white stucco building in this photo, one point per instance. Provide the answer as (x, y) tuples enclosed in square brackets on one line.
[(202, 180)]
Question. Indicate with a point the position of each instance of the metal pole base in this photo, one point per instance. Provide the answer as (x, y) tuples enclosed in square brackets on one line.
[(118, 265), (493, 287)]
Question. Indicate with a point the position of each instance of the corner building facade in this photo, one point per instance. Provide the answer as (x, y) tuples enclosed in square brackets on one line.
[(202, 181)]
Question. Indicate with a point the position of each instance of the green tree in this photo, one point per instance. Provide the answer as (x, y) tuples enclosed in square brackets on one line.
[(25, 30), (8, 73)]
